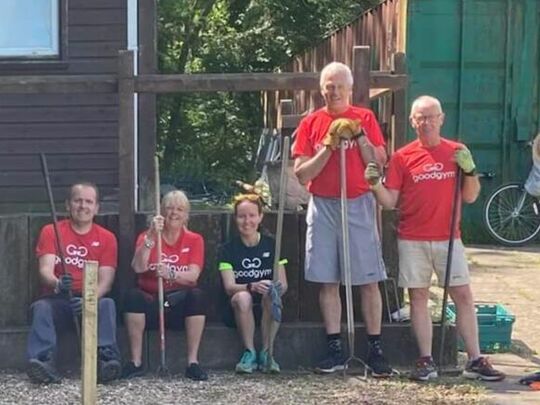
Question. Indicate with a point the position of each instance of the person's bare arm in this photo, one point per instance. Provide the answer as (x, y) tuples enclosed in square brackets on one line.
[(470, 189), (46, 270), (307, 168), (105, 280)]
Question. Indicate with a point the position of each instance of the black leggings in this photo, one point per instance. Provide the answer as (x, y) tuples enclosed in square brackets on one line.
[(182, 304)]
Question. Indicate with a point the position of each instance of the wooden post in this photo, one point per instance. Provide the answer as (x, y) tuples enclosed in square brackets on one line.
[(361, 75), (126, 166), (400, 123), (89, 333), (147, 104)]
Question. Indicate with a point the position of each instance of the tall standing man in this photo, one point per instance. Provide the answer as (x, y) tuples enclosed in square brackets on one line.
[(317, 165), (54, 312), (422, 176)]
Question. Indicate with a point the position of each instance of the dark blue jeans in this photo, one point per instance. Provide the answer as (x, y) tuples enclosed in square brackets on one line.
[(53, 315)]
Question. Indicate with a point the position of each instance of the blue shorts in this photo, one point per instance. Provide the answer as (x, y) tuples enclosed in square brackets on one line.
[(324, 244)]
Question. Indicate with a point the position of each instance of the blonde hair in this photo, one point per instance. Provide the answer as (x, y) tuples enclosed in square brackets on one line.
[(336, 68), (175, 197)]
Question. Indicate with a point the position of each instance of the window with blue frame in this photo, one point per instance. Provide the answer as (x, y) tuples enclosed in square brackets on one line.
[(29, 28)]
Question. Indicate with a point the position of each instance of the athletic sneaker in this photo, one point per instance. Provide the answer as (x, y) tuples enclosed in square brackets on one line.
[(424, 370), (481, 369), (378, 364), (196, 373), (130, 370), (335, 360), (43, 372), (267, 364), (248, 362)]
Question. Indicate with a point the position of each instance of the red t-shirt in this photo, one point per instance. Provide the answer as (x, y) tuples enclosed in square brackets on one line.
[(425, 178), (188, 249), (97, 244), (311, 132)]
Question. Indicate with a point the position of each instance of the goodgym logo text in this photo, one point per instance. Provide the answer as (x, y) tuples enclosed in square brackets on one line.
[(433, 171), (74, 255)]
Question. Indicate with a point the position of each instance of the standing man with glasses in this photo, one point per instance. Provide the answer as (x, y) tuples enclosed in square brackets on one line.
[(317, 165), (421, 176)]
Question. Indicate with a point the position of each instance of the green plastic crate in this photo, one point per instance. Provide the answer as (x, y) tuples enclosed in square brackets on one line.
[(494, 327)]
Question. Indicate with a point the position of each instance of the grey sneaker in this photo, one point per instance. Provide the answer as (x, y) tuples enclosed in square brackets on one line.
[(424, 370), (481, 369)]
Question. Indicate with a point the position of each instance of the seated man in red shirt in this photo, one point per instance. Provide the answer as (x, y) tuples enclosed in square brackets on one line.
[(182, 263), (421, 177), (81, 240)]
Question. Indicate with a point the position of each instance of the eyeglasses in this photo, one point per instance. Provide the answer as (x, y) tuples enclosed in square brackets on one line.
[(426, 118)]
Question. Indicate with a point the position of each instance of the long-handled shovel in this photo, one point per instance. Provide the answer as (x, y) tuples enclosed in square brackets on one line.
[(455, 210), (162, 369), (276, 318), (59, 246), (346, 270)]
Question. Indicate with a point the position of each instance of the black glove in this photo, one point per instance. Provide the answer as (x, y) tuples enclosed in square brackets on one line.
[(65, 283), (76, 305)]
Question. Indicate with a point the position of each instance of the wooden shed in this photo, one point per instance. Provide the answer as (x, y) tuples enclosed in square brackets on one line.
[(78, 131)]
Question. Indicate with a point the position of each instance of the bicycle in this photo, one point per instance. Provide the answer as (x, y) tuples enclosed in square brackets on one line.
[(512, 213)]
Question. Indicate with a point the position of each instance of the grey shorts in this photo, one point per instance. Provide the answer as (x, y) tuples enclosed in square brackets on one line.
[(419, 259), (324, 244)]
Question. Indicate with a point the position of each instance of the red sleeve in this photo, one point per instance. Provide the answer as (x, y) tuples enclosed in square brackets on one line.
[(372, 129), (302, 145), (46, 242), (140, 239), (197, 251), (394, 175), (109, 256)]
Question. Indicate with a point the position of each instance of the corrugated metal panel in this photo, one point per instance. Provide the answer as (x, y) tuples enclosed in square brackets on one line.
[(480, 58)]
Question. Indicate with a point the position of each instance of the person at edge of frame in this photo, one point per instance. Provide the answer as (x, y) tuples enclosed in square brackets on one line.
[(55, 312), (421, 179), (185, 303), (246, 267), (317, 165)]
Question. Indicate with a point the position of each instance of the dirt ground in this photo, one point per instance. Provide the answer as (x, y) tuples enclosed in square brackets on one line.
[(511, 277)]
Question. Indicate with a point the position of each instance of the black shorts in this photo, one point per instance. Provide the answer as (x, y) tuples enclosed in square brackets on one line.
[(228, 311), (182, 304)]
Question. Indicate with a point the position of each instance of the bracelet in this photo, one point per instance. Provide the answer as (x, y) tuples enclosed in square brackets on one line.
[(149, 243), (172, 274), (57, 287), (471, 173)]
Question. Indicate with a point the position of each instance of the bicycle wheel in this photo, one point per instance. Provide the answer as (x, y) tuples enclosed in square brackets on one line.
[(512, 215)]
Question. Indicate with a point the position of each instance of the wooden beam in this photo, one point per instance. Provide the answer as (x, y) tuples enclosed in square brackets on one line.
[(361, 75), (400, 121), (89, 333), (126, 166), (58, 84), (147, 128)]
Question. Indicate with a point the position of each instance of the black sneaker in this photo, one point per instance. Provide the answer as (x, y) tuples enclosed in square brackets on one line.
[(481, 369), (130, 370), (196, 373), (42, 372), (335, 360), (378, 364), (108, 370), (424, 370)]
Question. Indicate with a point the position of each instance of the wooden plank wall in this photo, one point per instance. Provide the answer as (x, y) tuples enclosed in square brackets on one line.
[(19, 282), (78, 132)]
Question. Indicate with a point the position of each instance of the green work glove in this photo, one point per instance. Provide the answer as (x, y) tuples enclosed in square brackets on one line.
[(372, 174), (465, 160)]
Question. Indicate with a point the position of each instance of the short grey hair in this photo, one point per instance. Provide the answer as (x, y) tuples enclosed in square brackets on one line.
[(423, 100), (336, 68)]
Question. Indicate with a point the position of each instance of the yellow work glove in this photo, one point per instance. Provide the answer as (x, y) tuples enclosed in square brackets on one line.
[(341, 128), (465, 160)]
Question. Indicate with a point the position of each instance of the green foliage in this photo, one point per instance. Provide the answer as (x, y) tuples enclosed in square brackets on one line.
[(212, 137)]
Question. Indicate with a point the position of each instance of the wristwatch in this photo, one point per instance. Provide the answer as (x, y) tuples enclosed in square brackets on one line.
[(149, 243), (471, 173)]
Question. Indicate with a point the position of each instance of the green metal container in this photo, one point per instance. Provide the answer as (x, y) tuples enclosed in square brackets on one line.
[(481, 59)]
